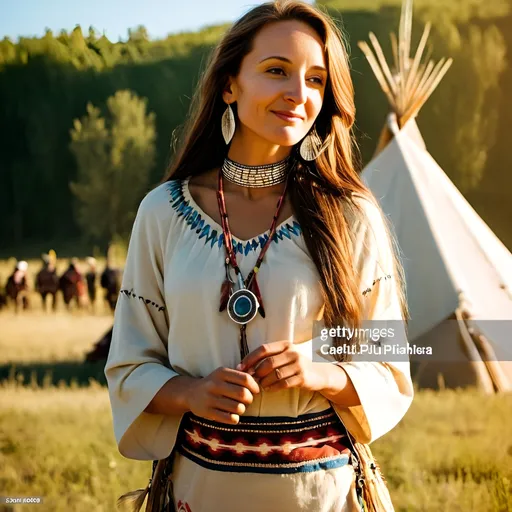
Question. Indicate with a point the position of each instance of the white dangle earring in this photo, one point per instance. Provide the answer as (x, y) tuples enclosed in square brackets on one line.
[(312, 145), (228, 124)]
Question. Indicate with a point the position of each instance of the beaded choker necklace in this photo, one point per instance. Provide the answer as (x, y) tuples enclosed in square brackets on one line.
[(255, 176), (244, 303)]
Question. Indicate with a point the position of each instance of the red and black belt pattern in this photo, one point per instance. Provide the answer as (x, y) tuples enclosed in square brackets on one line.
[(276, 444)]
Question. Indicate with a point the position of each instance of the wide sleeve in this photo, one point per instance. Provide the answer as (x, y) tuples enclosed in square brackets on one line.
[(138, 363), (385, 389)]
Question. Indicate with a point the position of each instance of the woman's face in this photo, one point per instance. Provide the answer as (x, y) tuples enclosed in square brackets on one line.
[(285, 72)]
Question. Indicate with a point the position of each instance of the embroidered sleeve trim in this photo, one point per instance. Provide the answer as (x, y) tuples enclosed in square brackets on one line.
[(132, 295), (368, 290)]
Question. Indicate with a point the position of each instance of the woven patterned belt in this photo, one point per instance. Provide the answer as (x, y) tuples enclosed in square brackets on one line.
[(276, 444)]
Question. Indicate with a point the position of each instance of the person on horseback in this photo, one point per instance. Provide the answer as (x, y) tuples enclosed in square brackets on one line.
[(90, 277), (110, 282), (47, 281), (70, 283), (16, 287)]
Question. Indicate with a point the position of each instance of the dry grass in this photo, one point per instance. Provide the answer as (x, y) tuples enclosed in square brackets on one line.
[(58, 443), (452, 451), (36, 337)]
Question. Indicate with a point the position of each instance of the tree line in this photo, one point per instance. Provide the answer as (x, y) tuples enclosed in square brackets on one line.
[(83, 117)]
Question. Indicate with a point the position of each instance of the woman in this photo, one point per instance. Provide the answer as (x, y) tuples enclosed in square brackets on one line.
[(253, 420)]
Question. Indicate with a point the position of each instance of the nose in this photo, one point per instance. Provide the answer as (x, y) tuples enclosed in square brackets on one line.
[(297, 90)]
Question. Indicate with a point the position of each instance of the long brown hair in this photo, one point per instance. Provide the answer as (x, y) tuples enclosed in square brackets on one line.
[(319, 188)]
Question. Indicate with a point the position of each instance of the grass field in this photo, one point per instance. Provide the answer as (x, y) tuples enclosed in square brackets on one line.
[(452, 451)]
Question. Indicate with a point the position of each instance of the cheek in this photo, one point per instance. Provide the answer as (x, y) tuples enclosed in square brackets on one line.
[(314, 104), (258, 98)]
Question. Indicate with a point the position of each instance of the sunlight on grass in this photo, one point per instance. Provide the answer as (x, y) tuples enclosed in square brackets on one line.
[(452, 451)]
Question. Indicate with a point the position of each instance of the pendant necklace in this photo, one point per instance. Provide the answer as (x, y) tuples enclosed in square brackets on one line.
[(244, 303)]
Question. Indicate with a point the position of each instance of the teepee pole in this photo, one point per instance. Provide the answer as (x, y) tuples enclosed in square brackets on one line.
[(416, 62), (394, 49), (429, 87), (379, 75), (383, 64), (408, 81), (484, 379)]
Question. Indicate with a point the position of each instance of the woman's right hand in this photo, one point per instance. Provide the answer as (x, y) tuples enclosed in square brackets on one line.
[(223, 395)]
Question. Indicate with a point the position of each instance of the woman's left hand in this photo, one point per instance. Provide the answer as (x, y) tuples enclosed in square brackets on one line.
[(279, 365)]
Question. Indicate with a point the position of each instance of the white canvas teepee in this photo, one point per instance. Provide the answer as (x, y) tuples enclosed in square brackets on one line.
[(458, 273)]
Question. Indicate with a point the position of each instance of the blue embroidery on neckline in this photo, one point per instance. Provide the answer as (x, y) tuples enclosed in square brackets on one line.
[(194, 220)]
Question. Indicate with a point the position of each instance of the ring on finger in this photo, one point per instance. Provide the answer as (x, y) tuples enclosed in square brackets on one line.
[(279, 373)]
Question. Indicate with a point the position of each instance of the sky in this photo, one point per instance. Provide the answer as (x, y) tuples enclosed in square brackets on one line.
[(29, 18)]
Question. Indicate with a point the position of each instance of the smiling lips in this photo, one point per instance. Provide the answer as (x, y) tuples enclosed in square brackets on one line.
[(288, 116)]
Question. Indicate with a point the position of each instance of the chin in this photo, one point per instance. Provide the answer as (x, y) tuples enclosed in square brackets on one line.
[(288, 139)]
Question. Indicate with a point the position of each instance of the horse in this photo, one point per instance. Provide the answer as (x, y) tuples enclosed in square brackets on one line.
[(16, 288), (111, 281), (3, 300), (47, 283), (71, 283)]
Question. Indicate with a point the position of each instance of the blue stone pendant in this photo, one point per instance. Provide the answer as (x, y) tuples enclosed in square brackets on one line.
[(242, 305)]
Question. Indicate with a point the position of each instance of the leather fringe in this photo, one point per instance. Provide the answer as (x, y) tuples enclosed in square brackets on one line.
[(225, 292), (158, 487), (133, 500), (244, 348), (256, 290), (159, 492), (376, 495)]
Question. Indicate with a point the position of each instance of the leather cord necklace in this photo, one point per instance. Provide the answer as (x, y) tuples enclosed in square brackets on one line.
[(244, 303)]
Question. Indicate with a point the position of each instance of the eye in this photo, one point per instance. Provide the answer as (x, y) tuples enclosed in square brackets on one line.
[(319, 80), (273, 69)]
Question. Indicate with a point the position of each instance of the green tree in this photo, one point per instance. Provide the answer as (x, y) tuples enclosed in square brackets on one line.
[(114, 156), (469, 105), (46, 82), (138, 34)]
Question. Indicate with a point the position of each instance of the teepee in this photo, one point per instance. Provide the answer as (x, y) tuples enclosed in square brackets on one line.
[(458, 273)]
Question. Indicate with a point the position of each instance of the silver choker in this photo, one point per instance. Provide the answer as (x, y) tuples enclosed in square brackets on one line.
[(255, 176)]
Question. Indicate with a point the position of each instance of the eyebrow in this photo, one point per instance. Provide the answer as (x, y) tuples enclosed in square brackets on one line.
[(284, 59)]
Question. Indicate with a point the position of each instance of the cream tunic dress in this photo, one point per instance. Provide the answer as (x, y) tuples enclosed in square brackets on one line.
[(167, 324)]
